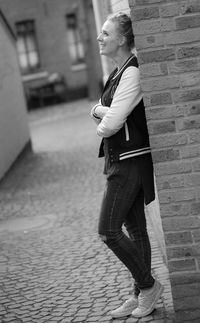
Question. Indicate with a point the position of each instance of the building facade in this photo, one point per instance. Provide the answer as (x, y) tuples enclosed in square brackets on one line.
[(52, 43), (14, 130)]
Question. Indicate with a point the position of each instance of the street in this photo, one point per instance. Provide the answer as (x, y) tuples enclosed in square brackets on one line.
[(53, 266)]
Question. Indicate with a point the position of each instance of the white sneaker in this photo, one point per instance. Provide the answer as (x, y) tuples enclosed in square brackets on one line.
[(126, 308), (147, 300)]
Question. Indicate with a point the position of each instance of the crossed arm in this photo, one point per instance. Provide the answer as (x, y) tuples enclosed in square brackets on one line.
[(128, 94)]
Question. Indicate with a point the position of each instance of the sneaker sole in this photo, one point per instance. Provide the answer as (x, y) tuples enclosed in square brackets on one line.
[(150, 310), (123, 314)]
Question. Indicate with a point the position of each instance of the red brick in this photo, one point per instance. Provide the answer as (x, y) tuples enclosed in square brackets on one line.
[(155, 69), (190, 151), (166, 112), (190, 79), (192, 180), (196, 165), (169, 10), (188, 123), (194, 137), (182, 36), (161, 98), (187, 303), (161, 127), (145, 13), (193, 109), (158, 55), (196, 233), (148, 41), (187, 22), (189, 7), (173, 168), (168, 140), (195, 209), (146, 27), (191, 123), (188, 52), (173, 196), (185, 278), (188, 316), (186, 95), (183, 66), (181, 265), (165, 155), (160, 84), (177, 238), (180, 223), (183, 251), (167, 24), (167, 182), (181, 209)]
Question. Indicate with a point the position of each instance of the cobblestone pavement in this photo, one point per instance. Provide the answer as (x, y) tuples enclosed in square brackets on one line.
[(53, 268)]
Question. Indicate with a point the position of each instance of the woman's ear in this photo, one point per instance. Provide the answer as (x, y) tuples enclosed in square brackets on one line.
[(122, 40)]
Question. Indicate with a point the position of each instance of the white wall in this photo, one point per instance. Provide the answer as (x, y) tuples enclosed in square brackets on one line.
[(120, 5), (14, 130)]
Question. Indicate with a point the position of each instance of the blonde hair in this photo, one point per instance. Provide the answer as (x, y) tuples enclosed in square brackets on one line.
[(124, 26)]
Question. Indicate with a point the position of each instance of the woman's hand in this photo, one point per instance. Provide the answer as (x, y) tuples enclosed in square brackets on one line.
[(98, 112)]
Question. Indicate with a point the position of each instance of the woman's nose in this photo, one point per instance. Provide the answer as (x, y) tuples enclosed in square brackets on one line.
[(99, 37)]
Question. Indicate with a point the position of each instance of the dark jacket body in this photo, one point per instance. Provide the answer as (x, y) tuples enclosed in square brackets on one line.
[(132, 139)]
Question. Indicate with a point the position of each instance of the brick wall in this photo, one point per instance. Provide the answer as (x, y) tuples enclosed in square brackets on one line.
[(168, 45)]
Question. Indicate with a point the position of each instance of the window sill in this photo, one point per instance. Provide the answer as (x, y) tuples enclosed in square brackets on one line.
[(34, 76), (78, 67)]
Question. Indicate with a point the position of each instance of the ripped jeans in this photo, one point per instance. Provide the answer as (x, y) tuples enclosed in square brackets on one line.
[(123, 204)]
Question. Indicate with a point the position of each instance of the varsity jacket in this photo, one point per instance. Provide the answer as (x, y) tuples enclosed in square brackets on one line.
[(132, 138)]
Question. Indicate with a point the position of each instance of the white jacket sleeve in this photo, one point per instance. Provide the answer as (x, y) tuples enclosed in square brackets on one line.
[(126, 97)]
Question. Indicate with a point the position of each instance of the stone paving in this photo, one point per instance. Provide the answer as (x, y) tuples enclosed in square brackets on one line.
[(53, 267)]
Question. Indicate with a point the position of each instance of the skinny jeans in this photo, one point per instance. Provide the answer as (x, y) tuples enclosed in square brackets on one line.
[(123, 207)]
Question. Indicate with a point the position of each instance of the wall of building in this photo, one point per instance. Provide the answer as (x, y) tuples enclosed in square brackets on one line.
[(14, 131), (168, 45), (51, 31), (118, 5)]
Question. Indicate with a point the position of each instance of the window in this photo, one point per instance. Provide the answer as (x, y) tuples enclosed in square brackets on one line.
[(27, 46), (76, 49)]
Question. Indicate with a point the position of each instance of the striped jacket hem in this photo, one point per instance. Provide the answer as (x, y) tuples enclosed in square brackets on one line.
[(133, 153)]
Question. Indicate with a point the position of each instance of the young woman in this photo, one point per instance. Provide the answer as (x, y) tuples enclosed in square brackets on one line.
[(121, 122)]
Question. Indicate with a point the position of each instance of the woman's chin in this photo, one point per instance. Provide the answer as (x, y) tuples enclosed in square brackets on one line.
[(102, 52)]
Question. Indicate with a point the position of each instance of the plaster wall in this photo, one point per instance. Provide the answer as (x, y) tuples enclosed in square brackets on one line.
[(14, 130)]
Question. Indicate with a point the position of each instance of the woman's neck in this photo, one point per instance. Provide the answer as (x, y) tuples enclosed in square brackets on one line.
[(121, 59)]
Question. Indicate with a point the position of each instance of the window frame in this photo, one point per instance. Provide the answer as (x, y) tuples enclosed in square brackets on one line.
[(28, 37), (75, 44)]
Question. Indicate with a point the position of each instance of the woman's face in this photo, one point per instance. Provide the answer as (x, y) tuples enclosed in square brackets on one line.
[(109, 39)]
